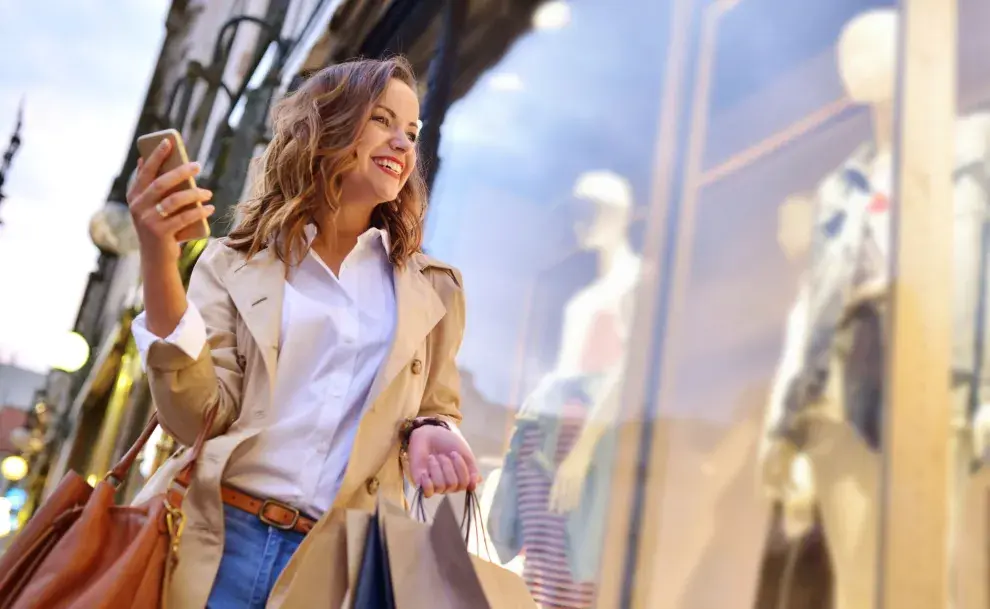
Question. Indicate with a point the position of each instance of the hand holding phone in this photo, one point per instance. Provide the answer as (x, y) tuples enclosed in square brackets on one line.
[(165, 202)]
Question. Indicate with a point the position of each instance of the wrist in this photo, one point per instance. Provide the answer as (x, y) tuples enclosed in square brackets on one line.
[(158, 255), (409, 427)]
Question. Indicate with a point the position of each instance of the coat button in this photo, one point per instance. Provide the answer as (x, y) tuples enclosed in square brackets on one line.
[(372, 485), (417, 366), (241, 361)]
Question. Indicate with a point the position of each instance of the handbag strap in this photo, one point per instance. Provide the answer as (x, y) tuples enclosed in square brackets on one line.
[(120, 470)]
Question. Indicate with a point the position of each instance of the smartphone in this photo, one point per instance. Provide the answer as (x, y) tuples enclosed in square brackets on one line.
[(177, 157)]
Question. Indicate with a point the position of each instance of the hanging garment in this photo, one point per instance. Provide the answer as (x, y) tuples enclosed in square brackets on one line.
[(547, 570), (849, 274), (562, 550)]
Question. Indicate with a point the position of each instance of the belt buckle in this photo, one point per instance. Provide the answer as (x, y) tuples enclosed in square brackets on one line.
[(278, 525)]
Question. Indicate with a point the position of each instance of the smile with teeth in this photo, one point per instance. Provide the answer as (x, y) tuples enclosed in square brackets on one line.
[(388, 165)]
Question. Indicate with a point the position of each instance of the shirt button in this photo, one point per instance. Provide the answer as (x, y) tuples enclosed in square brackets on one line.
[(372, 485), (416, 367)]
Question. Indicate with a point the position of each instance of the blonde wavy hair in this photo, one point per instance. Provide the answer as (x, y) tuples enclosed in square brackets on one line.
[(315, 132)]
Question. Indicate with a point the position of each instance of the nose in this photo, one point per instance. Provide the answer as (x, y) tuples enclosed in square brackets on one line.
[(400, 142)]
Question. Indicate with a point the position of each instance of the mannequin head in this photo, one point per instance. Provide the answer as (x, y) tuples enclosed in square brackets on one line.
[(867, 56), (604, 201)]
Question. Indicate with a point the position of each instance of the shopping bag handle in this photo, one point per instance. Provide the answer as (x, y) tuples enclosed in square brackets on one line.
[(472, 516)]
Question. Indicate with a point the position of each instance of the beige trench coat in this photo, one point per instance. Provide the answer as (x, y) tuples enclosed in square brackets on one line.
[(241, 303)]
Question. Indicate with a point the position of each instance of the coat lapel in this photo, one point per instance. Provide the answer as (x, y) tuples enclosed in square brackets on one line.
[(257, 287), (418, 310)]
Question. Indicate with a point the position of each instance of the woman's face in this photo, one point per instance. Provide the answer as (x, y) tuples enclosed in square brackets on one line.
[(386, 147)]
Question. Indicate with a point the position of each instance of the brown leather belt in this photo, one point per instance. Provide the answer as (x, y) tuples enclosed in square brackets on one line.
[(269, 511)]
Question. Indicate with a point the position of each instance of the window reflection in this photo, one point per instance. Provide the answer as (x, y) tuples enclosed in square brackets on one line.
[(826, 402), (776, 125), (539, 201), (969, 525), (555, 482)]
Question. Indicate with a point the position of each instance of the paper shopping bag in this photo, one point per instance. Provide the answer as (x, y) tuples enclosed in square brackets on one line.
[(373, 589), (422, 578), (356, 530), (503, 588), (356, 525), (306, 582), (432, 569), (416, 579), (470, 574)]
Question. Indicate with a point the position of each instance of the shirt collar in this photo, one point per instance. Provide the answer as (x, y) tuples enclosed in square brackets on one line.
[(371, 236)]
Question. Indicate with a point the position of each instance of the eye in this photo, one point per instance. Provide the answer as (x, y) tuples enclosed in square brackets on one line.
[(381, 119), (413, 136)]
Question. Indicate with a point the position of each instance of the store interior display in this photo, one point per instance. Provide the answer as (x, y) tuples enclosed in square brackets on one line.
[(826, 405), (552, 495)]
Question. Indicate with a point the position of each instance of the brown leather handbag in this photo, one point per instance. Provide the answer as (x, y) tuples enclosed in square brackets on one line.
[(80, 551)]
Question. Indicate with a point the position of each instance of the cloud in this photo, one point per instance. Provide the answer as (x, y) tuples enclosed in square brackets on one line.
[(83, 68)]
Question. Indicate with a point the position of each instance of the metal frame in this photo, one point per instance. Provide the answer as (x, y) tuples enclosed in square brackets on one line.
[(914, 542), (633, 489)]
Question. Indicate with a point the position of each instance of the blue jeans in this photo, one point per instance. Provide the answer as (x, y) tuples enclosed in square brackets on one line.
[(254, 554)]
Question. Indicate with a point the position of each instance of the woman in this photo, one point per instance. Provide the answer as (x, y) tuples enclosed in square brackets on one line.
[(318, 330)]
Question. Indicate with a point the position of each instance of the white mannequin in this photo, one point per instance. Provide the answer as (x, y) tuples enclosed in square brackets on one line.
[(559, 567), (845, 473), (618, 271)]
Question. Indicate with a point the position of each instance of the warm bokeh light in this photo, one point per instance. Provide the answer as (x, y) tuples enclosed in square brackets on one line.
[(14, 468), (70, 352)]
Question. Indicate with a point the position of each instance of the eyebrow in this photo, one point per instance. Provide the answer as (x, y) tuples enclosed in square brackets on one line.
[(417, 124)]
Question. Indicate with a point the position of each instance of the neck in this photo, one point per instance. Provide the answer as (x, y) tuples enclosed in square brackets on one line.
[(882, 117), (609, 257), (339, 234)]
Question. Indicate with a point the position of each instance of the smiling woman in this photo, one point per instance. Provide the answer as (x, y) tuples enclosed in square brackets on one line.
[(356, 129), (297, 336)]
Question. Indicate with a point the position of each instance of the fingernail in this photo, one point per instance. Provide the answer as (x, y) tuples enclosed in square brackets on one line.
[(196, 167), (164, 144), (210, 209), (433, 458), (206, 194)]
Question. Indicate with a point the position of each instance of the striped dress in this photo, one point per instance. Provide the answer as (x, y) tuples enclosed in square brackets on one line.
[(546, 569)]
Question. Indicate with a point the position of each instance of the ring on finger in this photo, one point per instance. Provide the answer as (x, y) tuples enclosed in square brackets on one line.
[(161, 210)]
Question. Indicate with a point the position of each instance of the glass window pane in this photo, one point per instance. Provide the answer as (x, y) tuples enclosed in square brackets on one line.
[(968, 523), (765, 472), (540, 200)]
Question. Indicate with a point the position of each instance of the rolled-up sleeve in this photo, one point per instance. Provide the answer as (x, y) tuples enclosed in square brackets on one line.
[(189, 335), (196, 368)]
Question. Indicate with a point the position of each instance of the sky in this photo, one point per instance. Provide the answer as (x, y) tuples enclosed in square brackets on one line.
[(81, 67)]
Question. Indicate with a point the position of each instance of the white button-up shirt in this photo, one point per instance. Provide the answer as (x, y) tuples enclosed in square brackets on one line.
[(335, 334)]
